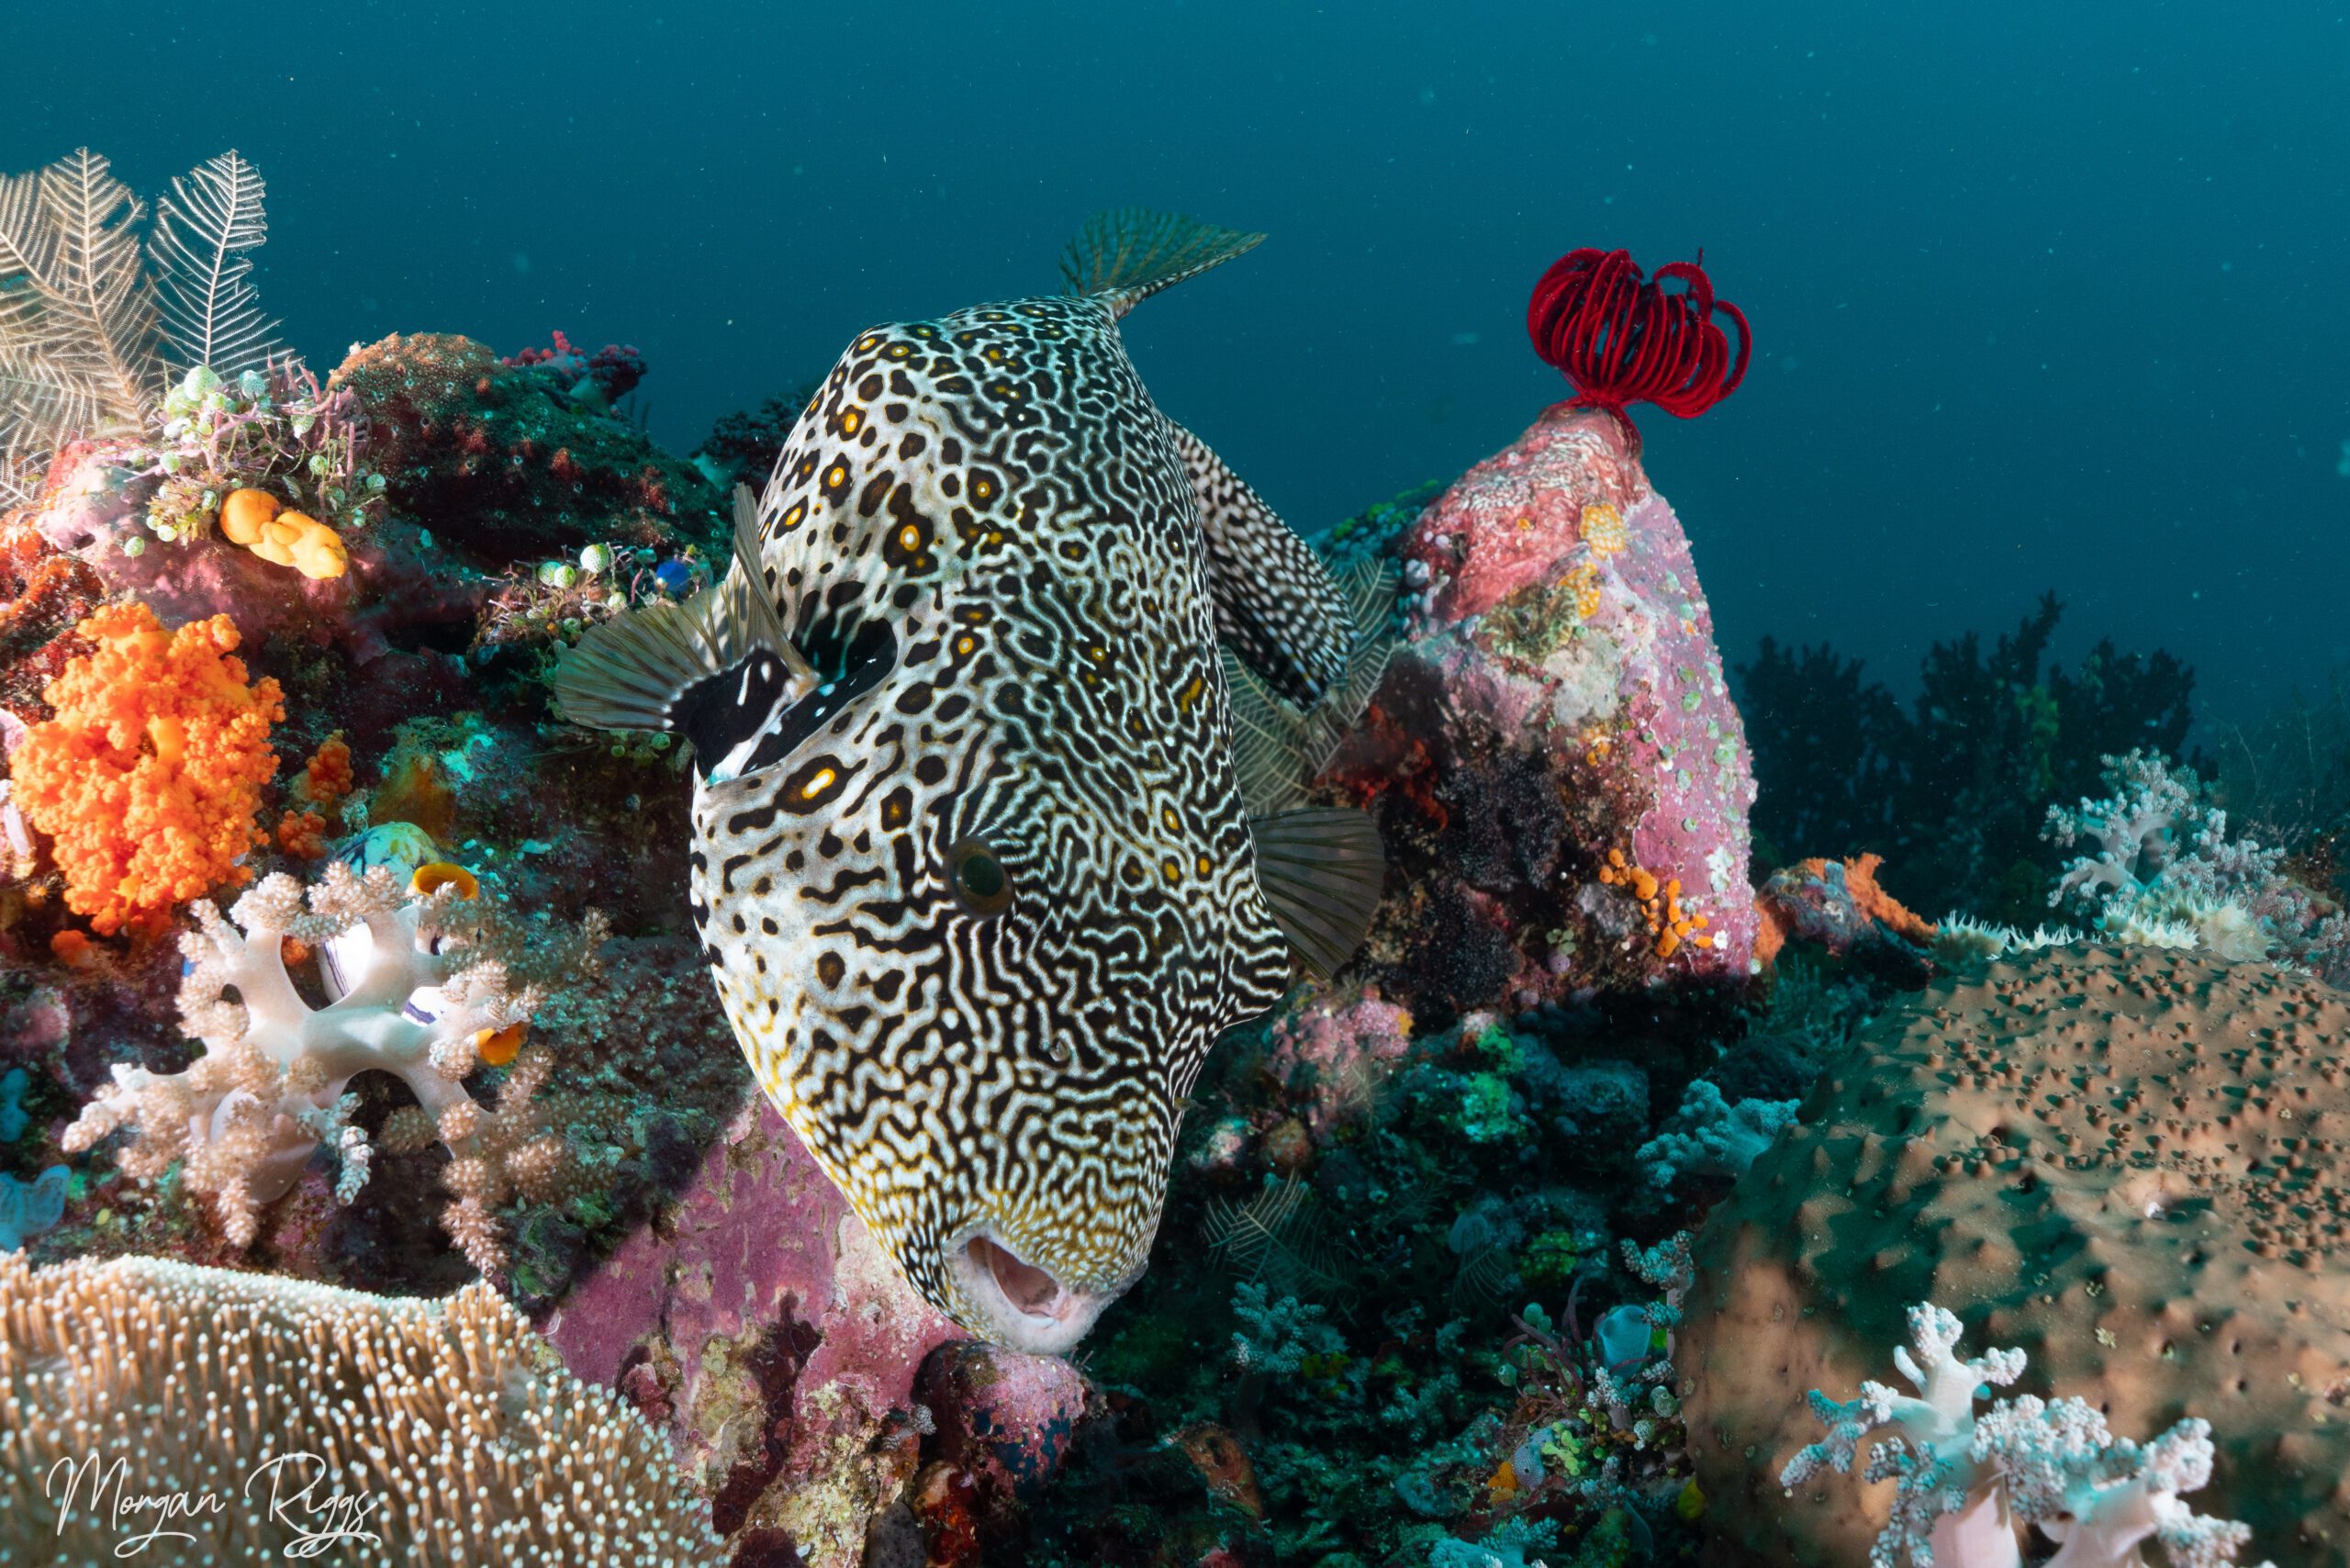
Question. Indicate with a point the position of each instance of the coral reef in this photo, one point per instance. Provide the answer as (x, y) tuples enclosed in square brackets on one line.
[(782, 1373), (503, 463), (2117, 1158), (1949, 791), (2166, 873), (1963, 1481), (429, 988), (1557, 770), (148, 777), (93, 323), (430, 1431)]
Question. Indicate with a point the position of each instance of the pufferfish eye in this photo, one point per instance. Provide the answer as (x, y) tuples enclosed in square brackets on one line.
[(979, 880)]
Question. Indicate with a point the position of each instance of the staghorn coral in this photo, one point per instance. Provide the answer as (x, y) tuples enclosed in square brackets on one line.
[(429, 981), (438, 1431), (149, 776)]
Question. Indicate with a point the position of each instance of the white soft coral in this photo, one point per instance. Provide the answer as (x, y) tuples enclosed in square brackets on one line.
[(424, 989), (1965, 1481)]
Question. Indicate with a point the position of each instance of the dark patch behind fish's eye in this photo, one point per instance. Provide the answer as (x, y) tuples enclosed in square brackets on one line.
[(977, 879)]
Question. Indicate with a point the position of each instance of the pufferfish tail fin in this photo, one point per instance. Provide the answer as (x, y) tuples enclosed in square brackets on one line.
[(662, 666), (1126, 255)]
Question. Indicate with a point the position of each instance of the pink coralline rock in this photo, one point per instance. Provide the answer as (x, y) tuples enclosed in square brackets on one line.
[(92, 506), (757, 1324), (1330, 1053), (1560, 775), (1004, 1417)]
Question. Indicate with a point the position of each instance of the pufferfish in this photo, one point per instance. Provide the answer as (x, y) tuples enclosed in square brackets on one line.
[(972, 861)]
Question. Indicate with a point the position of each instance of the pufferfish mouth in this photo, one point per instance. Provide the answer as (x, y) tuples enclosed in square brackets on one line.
[(1020, 1306)]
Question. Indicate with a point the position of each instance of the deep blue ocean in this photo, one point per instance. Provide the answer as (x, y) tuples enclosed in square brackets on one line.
[(2044, 296)]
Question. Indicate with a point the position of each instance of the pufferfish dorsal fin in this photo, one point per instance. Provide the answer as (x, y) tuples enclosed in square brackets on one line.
[(1322, 869), (1278, 748), (1276, 605), (710, 667), (1126, 255)]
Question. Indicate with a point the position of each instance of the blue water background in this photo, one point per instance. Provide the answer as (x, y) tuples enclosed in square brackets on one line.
[(2046, 295)]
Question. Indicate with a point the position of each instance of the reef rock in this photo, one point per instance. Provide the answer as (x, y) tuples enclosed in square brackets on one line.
[(758, 1324), (2115, 1158), (507, 463), (1559, 771)]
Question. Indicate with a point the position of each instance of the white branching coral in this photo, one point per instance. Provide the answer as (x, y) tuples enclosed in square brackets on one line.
[(296, 1420), (2167, 874), (1965, 1481), (429, 983)]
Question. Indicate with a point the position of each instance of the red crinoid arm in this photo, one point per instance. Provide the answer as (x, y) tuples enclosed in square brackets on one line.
[(1621, 339)]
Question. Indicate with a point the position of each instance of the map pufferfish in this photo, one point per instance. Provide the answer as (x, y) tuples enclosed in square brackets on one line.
[(971, 863)]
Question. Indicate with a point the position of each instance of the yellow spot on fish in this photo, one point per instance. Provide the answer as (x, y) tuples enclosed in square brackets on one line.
[(850, 419), (910, 539), (1191, 693), (1174, 823), (963, 647), (1205, 866), (1174, 872), (791, 518), (818, 784)]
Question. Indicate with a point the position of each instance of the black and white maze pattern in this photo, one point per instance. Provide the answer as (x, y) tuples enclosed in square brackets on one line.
[(997, 487), (1276, 607)]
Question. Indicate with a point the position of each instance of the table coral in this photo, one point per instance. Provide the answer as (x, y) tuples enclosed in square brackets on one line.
[(149, 776), (2117, 1158), (430, 980), (438, 1430)]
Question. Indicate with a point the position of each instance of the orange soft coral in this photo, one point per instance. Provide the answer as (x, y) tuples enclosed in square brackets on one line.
[(149, 776), (327, 777)]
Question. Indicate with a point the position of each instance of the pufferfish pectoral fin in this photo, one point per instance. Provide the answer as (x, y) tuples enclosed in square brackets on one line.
[(1276, 606), (717, 668), (1278, 750), (1322, 869)]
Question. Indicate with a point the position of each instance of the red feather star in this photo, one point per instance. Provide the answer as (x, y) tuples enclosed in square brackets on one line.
[(1623, 339)]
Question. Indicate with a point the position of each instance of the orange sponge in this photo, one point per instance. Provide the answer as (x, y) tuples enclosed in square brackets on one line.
[(149, 776)]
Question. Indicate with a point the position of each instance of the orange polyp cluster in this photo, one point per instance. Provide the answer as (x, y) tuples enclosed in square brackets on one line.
[(1602, 530), (1583, 583), (327, 777), (1668, 921), (149, 777)]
